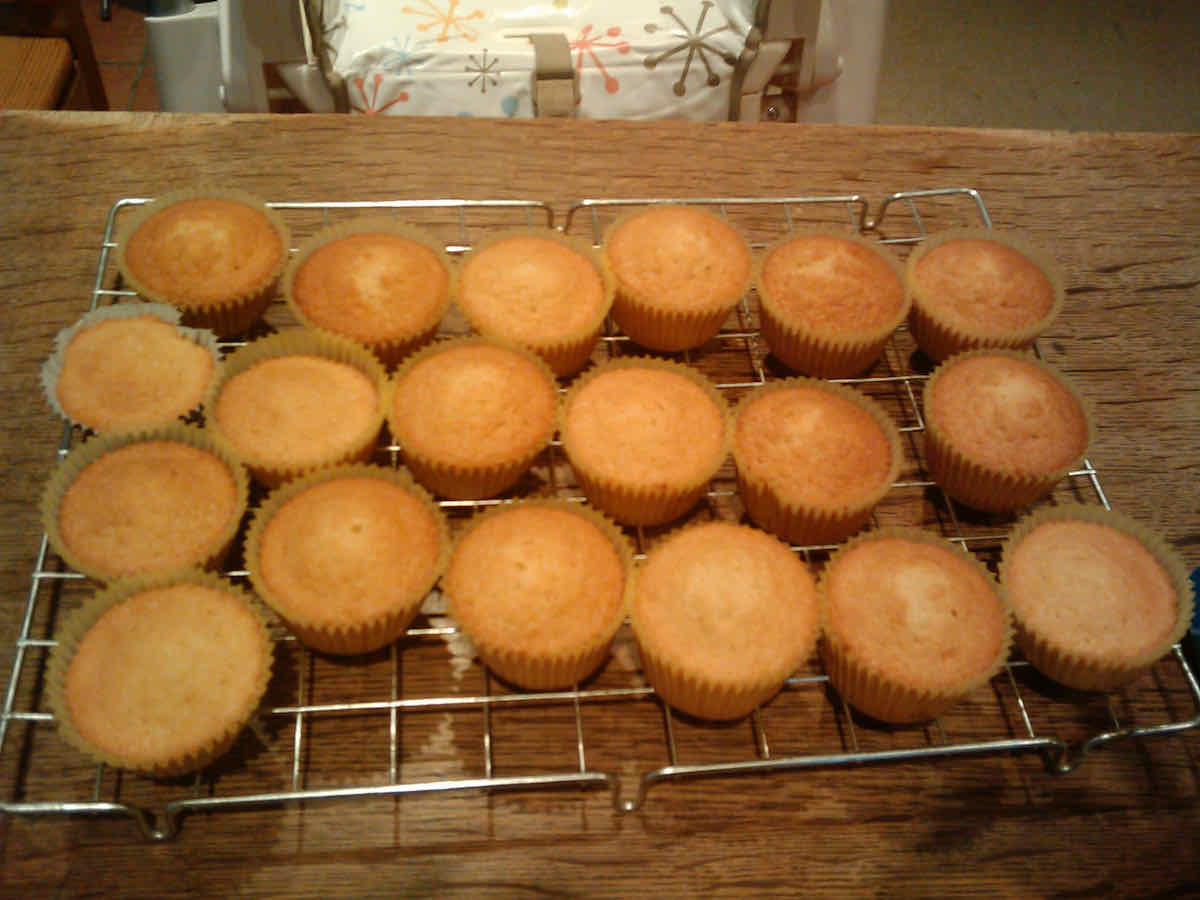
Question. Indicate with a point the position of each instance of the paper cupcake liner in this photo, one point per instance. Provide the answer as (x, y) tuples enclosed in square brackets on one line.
[(641, 316), (569, 357), (70, 467), (330, 635), (1064, 663), (302, 342), (815, 356), (986, 487), (700, 697), (640, 507), (633, 504), (878, 693), (939, 339), (71, 632), (458, 480), (825, 353), (230, 315), (52, 368), (565, 354), (692, 690), (533, 668), (803, 523), (390, 349), (666, 332)]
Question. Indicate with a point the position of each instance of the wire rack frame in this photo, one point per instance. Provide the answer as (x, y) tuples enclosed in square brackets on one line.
[(163, 819)]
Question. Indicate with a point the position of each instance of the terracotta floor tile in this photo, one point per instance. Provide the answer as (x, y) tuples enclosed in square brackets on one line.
[(125, 84), (121, 39), (145, 97)]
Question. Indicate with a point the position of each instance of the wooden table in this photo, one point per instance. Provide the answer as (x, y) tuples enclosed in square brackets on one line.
[(1120, 212)]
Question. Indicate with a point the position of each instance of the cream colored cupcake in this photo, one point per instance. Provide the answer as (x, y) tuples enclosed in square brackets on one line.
[(1002, 428), (680, 271), (912, 624), (379, 282), (1098, 599), (539, 289), (215, 253), (346, 555), (644, 437), (723, 614), (813, 458), (471, 415), (145, 502), (296, 401), (159, 675), (978, 287), (830, 301), (540, 588), (129, 366)]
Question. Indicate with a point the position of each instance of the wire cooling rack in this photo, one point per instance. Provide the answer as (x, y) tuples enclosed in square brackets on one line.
[(424, 716)]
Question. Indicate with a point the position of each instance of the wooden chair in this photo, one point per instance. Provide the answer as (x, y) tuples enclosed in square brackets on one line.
[(46, 56)]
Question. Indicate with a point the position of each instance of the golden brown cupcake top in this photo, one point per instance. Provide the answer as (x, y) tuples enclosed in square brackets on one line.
[(371, 286), (131, 372), (644, 424), (919, 610), (148, 506), (679, 258), (832, 284), (542, 580), (973, 283), (201, 250), (534, 289), (348, 549), (296, 411), (1006, 411), (166, 673), (473, 403), (813, 444), (1091, 590), (726, 604)]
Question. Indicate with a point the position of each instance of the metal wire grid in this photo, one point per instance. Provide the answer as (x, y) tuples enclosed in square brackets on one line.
[(160, 816)]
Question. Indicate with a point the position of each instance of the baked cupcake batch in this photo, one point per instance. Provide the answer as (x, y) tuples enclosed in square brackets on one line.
[(344, 550)]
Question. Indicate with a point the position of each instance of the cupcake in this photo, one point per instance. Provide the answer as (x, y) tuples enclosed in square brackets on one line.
[(539, 587), (471, 414), (145, 502), (296, 401), (829, 302), (216, 254), (159, 675), (1001, 429), (976, 288), (346, 555), (813, 458), (539, 289), (680, 271), (644, 437), (723, 614), (129, 366), (1097, 598), (911, 624), (376, 281)]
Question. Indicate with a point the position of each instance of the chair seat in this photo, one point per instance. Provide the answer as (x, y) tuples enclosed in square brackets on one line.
[(632, 59), (34, 72)]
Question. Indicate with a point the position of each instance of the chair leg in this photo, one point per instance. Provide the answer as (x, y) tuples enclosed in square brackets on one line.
[(85, 55), (105, 10)]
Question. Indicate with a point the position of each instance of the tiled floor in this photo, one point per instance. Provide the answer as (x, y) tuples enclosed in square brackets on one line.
[(1074, 64), (120, 46)]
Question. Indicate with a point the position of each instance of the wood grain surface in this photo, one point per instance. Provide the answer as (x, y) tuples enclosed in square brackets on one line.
[(1119, 211)]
